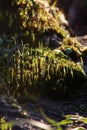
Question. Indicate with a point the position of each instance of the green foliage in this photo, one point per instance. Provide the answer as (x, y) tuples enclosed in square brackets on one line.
[(71, 47), (68, 122), (27, 70), (5, 125), (32, 18), (35, 15), (72, 119), (39, 70), (39, 17)]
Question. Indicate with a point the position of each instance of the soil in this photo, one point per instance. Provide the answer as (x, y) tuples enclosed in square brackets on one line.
[(24, 114)]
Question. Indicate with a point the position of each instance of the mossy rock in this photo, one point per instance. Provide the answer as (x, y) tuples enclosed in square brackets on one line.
[(32, 17), (71, 47), (40, 70)]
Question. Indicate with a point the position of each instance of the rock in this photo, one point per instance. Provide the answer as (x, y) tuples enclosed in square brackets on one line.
[(76, 14), (1, 41), (52, 39)]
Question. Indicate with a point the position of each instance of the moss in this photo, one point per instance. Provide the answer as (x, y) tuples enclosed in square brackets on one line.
[(40, 70), (27, 69), (71, 47), (31, 17)]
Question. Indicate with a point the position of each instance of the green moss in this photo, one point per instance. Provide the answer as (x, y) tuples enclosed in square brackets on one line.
[(26, 69), (40, 70), (71, 47), (32, 18)]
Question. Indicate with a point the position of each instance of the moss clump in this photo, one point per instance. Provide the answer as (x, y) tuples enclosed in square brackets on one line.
[(32, 17), (40, 70), (28, 68), (71, 48)]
